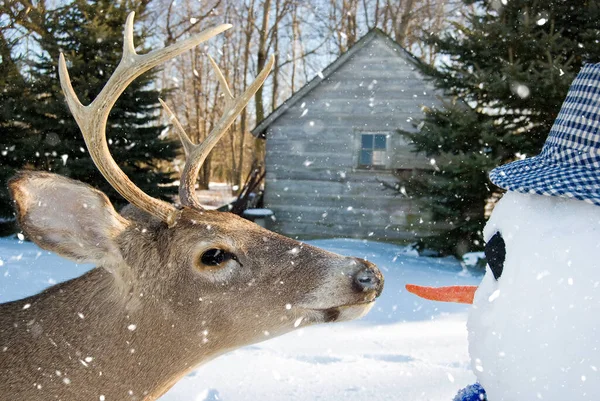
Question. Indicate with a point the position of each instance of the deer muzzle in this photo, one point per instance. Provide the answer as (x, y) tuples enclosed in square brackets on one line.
[(369, 279)]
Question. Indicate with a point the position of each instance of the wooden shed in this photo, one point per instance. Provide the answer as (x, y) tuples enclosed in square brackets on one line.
[(332, 143)]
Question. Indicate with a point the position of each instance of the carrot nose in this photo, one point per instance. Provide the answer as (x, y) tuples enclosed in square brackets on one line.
[(457, 293)]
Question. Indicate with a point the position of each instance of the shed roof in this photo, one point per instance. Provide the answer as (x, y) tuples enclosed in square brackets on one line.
[(260, 129)]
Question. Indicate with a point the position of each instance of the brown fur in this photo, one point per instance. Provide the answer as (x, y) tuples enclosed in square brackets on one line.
[(149, 275)]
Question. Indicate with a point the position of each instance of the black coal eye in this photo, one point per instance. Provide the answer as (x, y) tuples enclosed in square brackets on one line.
[(216, 257), (495, 253)]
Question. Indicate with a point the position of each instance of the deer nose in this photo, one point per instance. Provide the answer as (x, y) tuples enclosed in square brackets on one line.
[(369, 278)]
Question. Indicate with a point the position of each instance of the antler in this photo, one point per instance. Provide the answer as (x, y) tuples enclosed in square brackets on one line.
[(92, 118), (196, 154)]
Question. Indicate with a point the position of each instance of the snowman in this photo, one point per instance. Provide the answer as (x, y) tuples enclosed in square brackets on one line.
[(534, 325)]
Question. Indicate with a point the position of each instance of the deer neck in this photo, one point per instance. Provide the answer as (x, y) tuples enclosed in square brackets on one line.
[(88, 334)]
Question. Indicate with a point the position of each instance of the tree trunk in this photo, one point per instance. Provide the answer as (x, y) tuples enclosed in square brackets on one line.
[(275, 73), (405, 21), (259, 144), (249, 30)]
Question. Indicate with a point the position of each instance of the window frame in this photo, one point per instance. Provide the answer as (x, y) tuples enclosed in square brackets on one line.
[(360, 135)]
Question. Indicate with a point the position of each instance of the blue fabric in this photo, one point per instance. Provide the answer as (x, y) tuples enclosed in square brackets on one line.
[(474, 392), (569, 165)]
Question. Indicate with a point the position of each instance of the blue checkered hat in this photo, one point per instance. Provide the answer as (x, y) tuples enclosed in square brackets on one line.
[(569, 165)]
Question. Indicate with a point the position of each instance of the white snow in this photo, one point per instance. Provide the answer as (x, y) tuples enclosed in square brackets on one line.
[(471, 259), (406, 348), (258, 212)]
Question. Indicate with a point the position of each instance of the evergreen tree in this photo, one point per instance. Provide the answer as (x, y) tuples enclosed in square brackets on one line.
[(90, 34), (15, 138), (508, 72)]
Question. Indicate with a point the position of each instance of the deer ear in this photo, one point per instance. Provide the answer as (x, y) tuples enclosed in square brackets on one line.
[(67, 217)]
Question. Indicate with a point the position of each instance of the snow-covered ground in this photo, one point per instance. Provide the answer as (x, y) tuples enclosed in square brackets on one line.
[(405, 349)]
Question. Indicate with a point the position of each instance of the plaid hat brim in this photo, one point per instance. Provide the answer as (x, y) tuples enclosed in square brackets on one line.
[(538, 175)]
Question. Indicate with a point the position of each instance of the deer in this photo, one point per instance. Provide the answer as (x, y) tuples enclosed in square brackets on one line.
[(174, 285)]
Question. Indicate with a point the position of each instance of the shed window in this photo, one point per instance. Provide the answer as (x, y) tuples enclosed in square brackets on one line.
[(373, 150)]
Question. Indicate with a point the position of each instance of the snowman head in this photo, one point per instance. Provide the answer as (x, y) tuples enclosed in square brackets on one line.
[(534, 327)]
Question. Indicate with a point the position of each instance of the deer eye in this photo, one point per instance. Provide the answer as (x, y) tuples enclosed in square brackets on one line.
[(216, 257), (495, 253)]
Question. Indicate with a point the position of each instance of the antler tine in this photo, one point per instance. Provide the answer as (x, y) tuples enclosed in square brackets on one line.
[(92, 118), (187, 191), (188, 145), (226, 91)]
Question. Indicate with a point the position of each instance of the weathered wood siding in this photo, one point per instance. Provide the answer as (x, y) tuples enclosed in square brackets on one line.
[(313, 183)]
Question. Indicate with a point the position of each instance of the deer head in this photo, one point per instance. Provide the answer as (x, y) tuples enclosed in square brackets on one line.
[(175, 285)]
